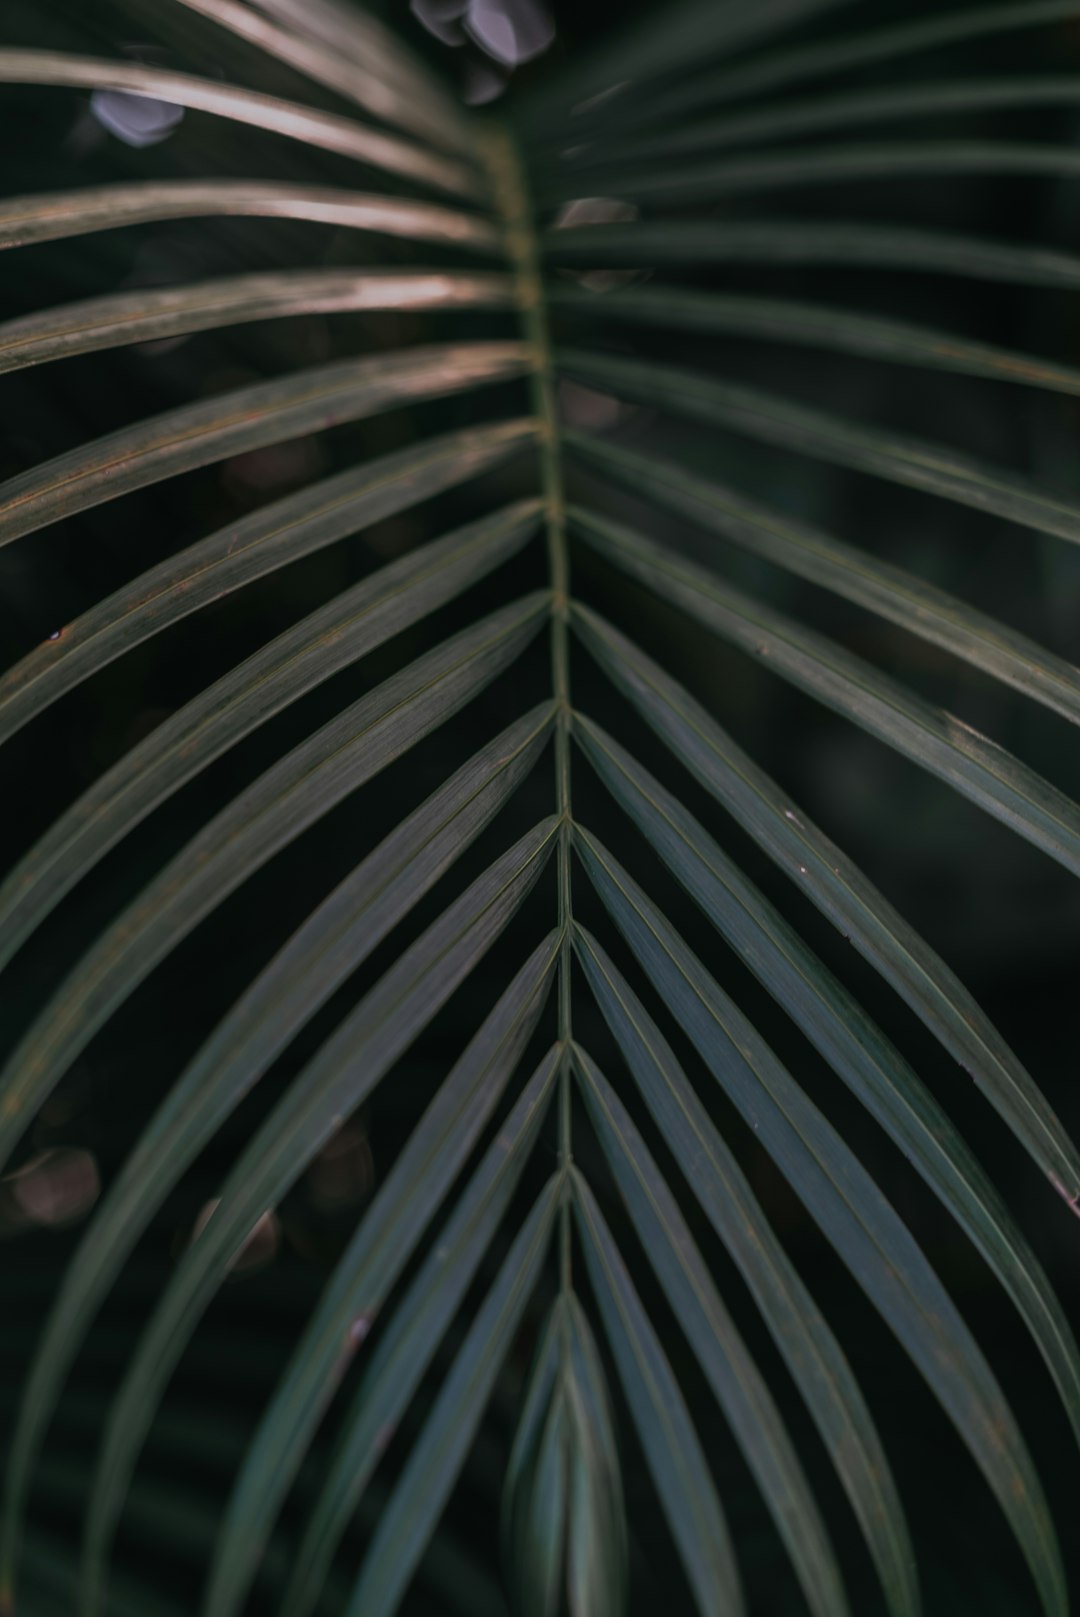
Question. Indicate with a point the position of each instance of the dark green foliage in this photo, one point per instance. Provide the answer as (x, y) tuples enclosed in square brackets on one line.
[(561, 501)]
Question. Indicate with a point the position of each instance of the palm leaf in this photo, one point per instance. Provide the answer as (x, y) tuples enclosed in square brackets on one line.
[(724, 1358), (353, 36), (271, 537), (405, 1351), (812, 1353), (596, 1551), (334, 941), (838, 111), (356, 623), (657, 46), (450, 619), (900, 597), (378, 1252), (249, 418), (379, 78), (325, 131), (839, 165), (878, 704), (284, 802), (853, 1046), (338, 1078), (842, 893), (788, 242), (839, 1195), (54, 216), (682, 1477), (106, 323), (925, 466), (800, 63), (819, 325), (434, 1464)]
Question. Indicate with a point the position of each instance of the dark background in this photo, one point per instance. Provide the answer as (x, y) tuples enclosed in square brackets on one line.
[(1003, 917)]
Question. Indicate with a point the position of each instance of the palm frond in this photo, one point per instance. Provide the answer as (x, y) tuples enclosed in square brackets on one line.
[(841, 1197), (855, 1049), (896, 595), (884, 105), (434, 1464), (926, 466), (249, 418), (763, 172), (835, 885), (412, 1337), (819, 325), (437, 1149), (346, 1069), (103, 323), (271, 537), (686, 1490), (934, 739), (291, 796), (864, 245), (334, 941), (377, 77), (813, 1356), (725, 1360), (801, 63), (327, 131), (516, 1212), (57, 215)]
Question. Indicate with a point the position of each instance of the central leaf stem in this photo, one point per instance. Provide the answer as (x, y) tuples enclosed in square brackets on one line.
[(515, 207)]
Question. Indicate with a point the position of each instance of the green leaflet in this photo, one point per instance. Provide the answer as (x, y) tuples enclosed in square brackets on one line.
[(678, 38), (301, 977), (817, 60), (563, 1516), (331, 1086), (354, 36), (798, 241), (248, 418), (819, 325), (55, 215), (781, 170), (139, 316), (901, 597), (597, 1548), (412, 1336), (811, 1352), (538, 1570), (929, 736), (387, 1235), (289, 118), (840, 891), (680, 1473), (782, 120), (723, 1356), (856, 1049), (908, 461), (540, 1588), (565, 1513), (412, 100), (417, 1501), (292, 795), (338, 634), (269, 538), (850, 1210)]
